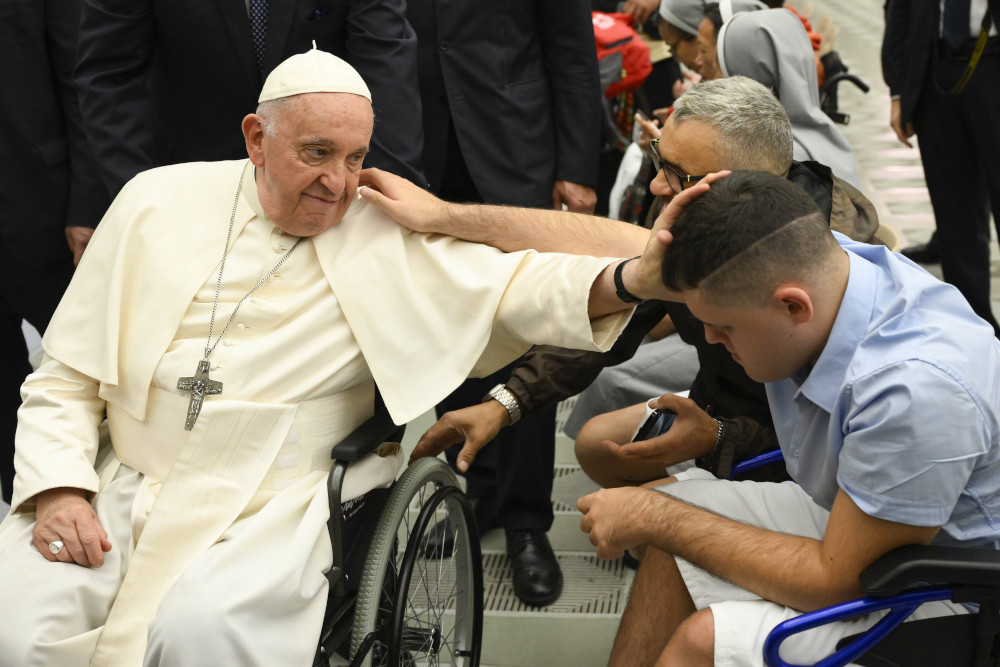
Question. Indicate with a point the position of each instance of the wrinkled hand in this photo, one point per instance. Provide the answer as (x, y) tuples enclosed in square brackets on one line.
[(643, 278), (640, 10), (577, 198), (895, 120), (406, 203), (476, 425), (619, 519), (692, 434), (64, 514), (78, 238)]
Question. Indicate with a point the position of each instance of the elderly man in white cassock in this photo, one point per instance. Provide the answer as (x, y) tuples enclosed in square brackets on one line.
[(232, 320)]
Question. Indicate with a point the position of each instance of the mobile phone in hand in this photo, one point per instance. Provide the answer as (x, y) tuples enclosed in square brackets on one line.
[(657, 422)]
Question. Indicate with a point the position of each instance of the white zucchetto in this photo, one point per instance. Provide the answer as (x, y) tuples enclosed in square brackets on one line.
[(314, 71)]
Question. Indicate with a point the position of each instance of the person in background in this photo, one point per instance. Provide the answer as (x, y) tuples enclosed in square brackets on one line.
[(771, 46), (951, 101), (52, 196), (144, 63), (511, 115)]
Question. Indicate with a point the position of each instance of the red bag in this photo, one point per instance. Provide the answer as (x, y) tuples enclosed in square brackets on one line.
[(622, 57)]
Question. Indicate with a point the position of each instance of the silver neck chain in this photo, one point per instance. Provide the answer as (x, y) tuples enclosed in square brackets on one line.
[(209, 347)]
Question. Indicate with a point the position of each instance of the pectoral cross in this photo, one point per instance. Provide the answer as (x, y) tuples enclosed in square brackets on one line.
[(200, 386)]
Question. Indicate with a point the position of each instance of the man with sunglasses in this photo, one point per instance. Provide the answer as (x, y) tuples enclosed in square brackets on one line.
[(732, 123)]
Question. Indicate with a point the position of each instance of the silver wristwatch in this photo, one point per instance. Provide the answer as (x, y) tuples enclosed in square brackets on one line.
[(507, 399)]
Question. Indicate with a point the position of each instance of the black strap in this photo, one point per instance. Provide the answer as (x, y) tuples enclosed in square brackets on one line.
[(977, 52), (620, 290)]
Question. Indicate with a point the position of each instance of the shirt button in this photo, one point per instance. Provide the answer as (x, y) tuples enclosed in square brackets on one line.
[(227, 343), (795, 453), (445, 45), (279, 248), (241, 326)]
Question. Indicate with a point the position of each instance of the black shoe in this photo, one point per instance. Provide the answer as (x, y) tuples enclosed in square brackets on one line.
[(538, 581), (440, 540), (924, 253)]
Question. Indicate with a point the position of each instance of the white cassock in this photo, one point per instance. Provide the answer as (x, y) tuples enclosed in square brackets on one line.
[(220, 532)]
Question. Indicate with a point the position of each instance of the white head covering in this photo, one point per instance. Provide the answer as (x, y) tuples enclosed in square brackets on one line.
[(314, 71), (728, 8), (684, 15), (772, 47)]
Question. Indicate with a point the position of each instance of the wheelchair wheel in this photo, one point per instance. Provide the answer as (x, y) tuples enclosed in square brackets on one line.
[(414, 610)]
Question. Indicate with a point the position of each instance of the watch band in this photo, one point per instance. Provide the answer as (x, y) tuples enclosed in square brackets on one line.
[(620, 290), (507, 399)]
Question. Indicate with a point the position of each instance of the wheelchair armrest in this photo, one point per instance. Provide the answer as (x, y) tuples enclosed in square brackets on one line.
[(367, 437), (899, 606), (912, 564)]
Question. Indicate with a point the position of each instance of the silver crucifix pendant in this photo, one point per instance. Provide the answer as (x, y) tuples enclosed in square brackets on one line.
[(200, 386)]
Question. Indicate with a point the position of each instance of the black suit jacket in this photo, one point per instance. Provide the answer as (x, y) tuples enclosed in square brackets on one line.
[(49, 179), (911, 34), (911, 31), (168, 81), (520, 80)]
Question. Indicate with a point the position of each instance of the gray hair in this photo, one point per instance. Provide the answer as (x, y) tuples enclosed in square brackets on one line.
[(270, 111), (754, 130)]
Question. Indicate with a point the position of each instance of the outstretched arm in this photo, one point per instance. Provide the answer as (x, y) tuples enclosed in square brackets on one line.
[(508, 228), (512, 228)]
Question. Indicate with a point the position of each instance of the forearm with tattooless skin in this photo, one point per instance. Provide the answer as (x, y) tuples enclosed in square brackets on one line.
[(511, 228), (802, 573)]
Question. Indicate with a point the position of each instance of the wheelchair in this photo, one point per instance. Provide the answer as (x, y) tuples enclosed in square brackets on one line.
[(388, 604), (836, 73), (899, 582)]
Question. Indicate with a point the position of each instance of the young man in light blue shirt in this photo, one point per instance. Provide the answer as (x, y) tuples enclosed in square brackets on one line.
[(884, 387)]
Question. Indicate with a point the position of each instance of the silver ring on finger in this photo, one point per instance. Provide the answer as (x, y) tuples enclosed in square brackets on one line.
[(55, 546)]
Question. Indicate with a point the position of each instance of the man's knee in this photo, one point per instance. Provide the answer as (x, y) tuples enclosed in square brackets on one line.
[(598, 462), (694, 642)]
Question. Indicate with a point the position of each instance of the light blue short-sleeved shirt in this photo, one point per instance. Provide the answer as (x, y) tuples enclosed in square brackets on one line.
[(901, 408)]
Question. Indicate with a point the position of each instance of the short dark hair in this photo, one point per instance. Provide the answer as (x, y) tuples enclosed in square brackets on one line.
[(749, 233)]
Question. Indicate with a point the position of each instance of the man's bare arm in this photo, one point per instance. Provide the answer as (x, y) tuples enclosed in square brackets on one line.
[(508, 228), (799, 572)]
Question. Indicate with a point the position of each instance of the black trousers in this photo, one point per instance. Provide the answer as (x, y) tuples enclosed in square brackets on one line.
[(959, 139), (512, 476), (30, 293)]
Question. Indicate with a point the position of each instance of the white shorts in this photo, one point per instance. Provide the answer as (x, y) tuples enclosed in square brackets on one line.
[(742, 619)]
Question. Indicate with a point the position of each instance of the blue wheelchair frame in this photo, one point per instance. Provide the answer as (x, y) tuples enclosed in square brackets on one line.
[(900, 581)]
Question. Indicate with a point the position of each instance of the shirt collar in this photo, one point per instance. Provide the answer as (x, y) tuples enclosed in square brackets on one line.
[(823, 384)]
